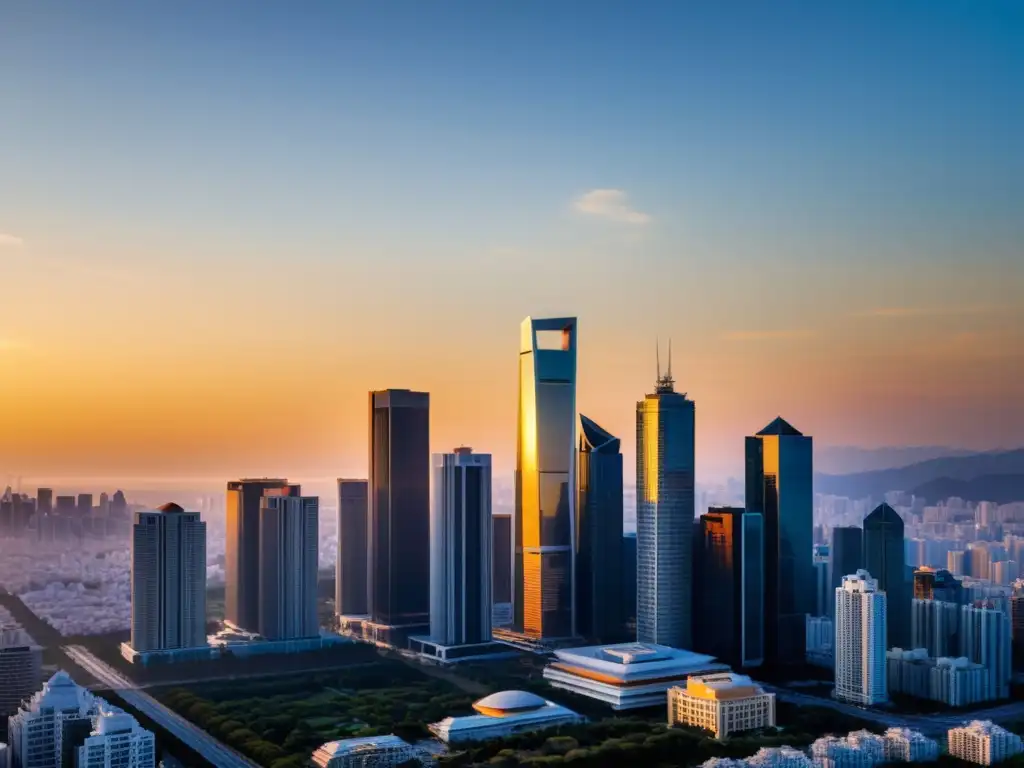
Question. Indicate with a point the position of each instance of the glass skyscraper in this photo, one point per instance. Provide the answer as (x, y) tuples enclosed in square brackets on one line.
[(545, 491), (779, 481), (289, 561), (885, 559), (665, 455), (350, 588), (846, 558), (599, 535)]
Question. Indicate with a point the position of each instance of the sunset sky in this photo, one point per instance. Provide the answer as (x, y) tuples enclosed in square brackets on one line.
[(222, 223)]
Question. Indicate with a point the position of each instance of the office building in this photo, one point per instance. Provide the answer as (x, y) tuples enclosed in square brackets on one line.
[(629, 582), (117, 741), (84, 505), (289, 559), (501, 570), (545, 499), (36, 732), (955, 682), (932, 584), (822, 599), (119, 506), (723, 704), (885, 559), (168, 581), (399, 494), (846, 556), (982, 742), (935, 626), (371, 752), (460, 549), (242, 547), (665, 458), (728, 560), (599, 608), (44, 501), (66, 507), (859, 647), (504, 714), (350, 589), (20, 665), (985, 639), (627, 675)]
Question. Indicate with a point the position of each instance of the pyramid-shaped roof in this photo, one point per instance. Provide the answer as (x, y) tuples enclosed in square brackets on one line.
[(780, 427)]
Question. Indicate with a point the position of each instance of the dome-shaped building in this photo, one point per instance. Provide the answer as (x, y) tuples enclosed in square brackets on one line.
[(503, 714)]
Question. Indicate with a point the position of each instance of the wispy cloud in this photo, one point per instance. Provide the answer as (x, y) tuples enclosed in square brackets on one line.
[(10, 240), (784, 335), (611, 204), (905, 312)]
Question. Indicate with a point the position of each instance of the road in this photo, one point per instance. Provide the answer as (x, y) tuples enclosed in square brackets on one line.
[(193, 736)]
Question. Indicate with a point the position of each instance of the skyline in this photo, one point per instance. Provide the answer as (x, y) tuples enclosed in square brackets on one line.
[(219, 227)]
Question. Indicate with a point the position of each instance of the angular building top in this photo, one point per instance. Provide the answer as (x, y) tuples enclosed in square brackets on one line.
[(595, 439), (782, 428)]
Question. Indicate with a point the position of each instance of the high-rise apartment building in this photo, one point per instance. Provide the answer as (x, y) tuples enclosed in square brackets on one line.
[(545, 514), (779, 483), (289, 558), (351, 586), (885, 560), (36, 733), (665, 458), (399, 506), (846, 556), (985, 639), (599, 614), (460, 549), (501, 569), (860, 659), (935, 626), (168, 580), (729, 568), (242, 547), (117, 741), (983, 743)]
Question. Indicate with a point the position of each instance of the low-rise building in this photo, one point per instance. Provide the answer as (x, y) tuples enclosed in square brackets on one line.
[(370, 752), (766, 757), (504, 714), (983, 742), (117, 741), (723, 704), (627, 675), (860, 749), (903, 745)]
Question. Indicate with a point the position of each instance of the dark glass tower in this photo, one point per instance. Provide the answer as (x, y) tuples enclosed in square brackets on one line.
[(885, 560), (350, 589), (599, 535), (501, 559), (847, 553), (780, 470), (399, 506)]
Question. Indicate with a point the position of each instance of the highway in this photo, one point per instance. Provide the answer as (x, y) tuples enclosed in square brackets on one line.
[(196, 738)]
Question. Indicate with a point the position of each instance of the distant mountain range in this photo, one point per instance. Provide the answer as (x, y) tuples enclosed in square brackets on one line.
[(996, 476), (844, 460)]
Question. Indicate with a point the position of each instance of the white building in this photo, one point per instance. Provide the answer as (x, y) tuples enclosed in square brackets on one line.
[(985, 639), (504, 714), (860, 671), (766, 757), (860, 749), (369, 752), (983, 742), (168, 580), (627, 675), (907, 746), (35, 733), (117, 741), (723, 704), (20, 667)]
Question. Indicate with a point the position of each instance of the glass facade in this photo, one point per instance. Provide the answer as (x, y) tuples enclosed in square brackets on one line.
[(779, 483), (399, 508), (885, 560), (545, 498), (501, 559), (350, 589), (847, 557)]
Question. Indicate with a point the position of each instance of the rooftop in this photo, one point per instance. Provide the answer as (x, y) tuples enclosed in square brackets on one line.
[(595, 438), (781, 428), (362, 744), (726, 685), (508, 702), (635, 661), (170, 507)]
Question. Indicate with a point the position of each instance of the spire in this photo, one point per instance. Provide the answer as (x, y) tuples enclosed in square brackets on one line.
[(657, 358), (670, 357), (664, 383)]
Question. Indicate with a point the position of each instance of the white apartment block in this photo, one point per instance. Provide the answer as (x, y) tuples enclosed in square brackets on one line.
[(36, 731), (723, 704), (117, 741), (766, 757), (369, 752), (983, 742), (859, 648), (903, 745)]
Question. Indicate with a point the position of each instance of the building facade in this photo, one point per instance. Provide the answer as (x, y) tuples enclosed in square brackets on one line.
[(370, 752), (956, 682), (350, 588), (545, 514), (21, 663), (932, 584), (117, 741), (723, 704), (168, 580), (859, 648), (885, 560), (935, 626), (460, 549), (289, 561), (985, 639), (665, 459), (501, 570), (36, 732), (598, 544), (399, 494), (779, 475), (983, 742)]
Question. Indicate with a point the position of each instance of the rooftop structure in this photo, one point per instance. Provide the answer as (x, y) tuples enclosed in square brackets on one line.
[(35, 733), (723, 704), (117, 741), (982, 742), (628, 675), (504, 714), (369, 751)]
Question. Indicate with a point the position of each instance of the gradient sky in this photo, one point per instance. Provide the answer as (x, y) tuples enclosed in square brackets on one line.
[(222, 223)]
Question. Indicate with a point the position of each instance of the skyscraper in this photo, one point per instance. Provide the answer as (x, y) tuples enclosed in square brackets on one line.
[(599, 614), (460, 549), (885, 559), (351, 586), (84, 506), (289, 558), (242, 547), (665, 457), (985, 639), (779, 477), (545, 497), (168, 580), (935, 626), (44, 501), (860, 641), (846, 556), (822, 601), (501, 569), (729, 605), (399, 506)]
